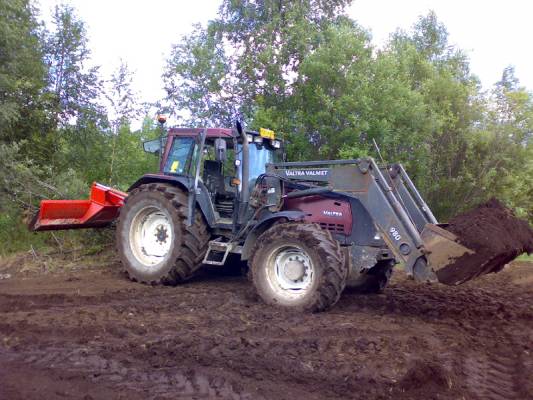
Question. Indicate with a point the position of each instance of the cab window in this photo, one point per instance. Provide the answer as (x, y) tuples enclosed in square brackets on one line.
[(179, 156)]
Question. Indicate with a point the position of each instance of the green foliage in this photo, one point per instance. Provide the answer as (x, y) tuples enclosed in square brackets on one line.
[(55, 135), (130, 161), (15, 236), (23, 183), (308, 71), (302, 68), (75, 87), (197, 80), (251, 51), (22, 73)]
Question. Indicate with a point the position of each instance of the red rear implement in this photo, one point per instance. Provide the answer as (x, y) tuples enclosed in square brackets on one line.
[(99, 210)]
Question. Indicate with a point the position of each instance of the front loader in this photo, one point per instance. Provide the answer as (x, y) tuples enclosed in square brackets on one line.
[(306, 229)]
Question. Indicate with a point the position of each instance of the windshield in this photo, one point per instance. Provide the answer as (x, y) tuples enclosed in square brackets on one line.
[(260, 156), (179, 156)]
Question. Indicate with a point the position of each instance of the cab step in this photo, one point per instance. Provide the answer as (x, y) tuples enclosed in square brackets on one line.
[(218, 251)]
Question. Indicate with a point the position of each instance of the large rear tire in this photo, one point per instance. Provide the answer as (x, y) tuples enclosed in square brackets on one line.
[(298, 266), (154, 243)]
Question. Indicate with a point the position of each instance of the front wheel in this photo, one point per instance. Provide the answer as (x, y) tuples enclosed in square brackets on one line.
[(298, 266)]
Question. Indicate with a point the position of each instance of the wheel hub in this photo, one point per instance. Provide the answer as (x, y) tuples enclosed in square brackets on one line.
[(290, 271), (161, 234), (150, 235), (294, 269)]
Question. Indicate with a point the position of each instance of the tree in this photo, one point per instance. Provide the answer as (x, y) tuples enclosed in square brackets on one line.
[(123, 100), (198, 81), (22, 73), (507, 166), (270, 39), (76, 86), (123, 109), (332, 93), (430, 37), (251, 53), (130, 160)]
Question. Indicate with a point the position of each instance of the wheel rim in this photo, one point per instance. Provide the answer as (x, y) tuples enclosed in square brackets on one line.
[(290, 272), (150, 236)]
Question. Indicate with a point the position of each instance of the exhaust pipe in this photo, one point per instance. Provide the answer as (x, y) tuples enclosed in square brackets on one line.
[(245, 171)]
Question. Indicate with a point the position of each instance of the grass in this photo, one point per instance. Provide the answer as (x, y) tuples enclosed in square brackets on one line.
[(525, 257), (16, 238)]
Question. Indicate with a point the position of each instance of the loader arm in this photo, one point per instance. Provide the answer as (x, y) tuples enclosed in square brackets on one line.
[(393, 209)]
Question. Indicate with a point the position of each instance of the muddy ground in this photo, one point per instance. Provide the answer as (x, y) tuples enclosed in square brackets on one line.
[(89, 333)]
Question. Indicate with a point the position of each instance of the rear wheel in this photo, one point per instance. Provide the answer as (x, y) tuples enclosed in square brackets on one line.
[(153, 241), (298, 266)]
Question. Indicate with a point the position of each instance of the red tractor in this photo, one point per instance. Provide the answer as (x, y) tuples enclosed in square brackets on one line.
[(306, 229)]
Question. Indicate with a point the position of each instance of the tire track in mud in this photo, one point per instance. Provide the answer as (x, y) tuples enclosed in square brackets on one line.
[(207, 339), (500, 375), (501, 368), (160, 383), (490, 377), (497, 364), (486, 319)]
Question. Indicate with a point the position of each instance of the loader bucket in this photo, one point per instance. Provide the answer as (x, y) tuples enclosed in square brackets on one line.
[(99, 210), (443, 251), (477, 242)]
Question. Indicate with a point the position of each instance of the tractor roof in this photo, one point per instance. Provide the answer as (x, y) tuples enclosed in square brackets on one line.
[(211, 132)]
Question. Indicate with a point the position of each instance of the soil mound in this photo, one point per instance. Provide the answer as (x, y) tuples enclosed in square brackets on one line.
[(496, 236)]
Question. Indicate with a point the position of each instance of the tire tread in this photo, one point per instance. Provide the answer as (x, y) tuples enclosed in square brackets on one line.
[(193, 239), (328, 249)]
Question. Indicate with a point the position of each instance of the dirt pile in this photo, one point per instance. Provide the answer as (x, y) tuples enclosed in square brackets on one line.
[(496, 236)]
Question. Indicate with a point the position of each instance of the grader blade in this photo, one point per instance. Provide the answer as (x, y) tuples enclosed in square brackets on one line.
[(99, 210)]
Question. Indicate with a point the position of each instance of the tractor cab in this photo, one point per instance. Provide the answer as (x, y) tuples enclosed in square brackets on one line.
[(213, 160)]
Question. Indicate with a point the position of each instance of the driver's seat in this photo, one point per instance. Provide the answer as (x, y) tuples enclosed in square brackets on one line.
[(214, 181), (213, 177)]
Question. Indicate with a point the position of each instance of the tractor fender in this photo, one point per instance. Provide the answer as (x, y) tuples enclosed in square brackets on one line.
[(183, 182), (180, 181), (265, 224)]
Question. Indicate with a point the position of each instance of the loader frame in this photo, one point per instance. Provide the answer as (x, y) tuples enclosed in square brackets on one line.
[(362, 181)]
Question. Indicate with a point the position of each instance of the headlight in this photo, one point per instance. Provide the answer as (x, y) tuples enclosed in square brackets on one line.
[(276, 144), (250, 138)]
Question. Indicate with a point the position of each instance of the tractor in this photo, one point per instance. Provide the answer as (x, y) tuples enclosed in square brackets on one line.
[(305, 229)]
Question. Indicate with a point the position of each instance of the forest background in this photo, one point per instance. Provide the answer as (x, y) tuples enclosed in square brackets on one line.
[(302, 68)]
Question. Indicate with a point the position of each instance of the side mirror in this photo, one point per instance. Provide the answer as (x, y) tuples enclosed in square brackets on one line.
[(153, 146), (220, 150)]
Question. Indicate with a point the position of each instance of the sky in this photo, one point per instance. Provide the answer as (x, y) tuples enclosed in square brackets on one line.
[(494, 34)]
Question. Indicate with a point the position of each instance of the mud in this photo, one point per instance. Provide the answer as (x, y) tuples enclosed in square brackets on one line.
[(495, 235), (92, 334)]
